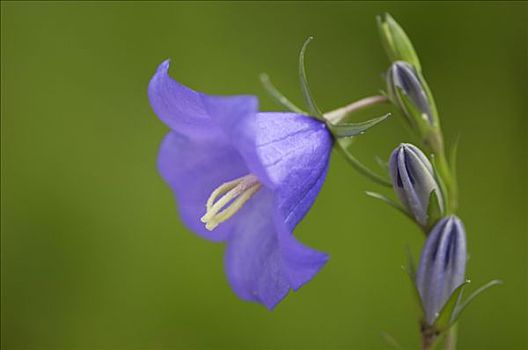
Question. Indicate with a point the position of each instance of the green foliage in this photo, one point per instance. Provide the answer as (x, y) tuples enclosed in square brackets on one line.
[(278, 96), (310, 102), (353, 129)]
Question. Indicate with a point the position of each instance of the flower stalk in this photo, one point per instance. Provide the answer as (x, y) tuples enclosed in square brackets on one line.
[(339, 114)]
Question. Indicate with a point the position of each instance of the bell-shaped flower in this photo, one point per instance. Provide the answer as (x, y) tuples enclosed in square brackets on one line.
[(413, 181), (442, 266), (245, 178)]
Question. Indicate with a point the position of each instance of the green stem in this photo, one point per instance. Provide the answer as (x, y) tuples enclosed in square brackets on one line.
[(451, 338)]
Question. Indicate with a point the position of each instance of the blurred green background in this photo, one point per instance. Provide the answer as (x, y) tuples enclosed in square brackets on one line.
[(93, 253)]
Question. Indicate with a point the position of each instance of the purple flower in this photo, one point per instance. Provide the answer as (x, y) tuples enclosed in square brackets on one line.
[(413, 181), (442, 265), (245, 178)]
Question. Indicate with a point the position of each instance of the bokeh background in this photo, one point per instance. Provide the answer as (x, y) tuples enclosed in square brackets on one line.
[(93, 253)]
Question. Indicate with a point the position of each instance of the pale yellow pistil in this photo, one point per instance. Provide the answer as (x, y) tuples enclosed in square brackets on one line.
[(235, 194)]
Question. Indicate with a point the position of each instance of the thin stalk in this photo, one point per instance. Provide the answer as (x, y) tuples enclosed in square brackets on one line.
[(339, 114), (451, 338)]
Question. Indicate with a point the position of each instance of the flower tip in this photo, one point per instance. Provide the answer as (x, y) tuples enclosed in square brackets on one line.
[(164, 66), (306, 42), (211, 225), (264, 77)]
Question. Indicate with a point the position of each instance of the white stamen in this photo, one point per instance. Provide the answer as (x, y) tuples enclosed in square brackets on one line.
[(235, 194)]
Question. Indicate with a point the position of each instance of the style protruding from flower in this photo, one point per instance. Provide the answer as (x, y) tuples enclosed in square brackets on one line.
[(413, 181), (237, 193), (442, 266), (397, 44), (245, 178)]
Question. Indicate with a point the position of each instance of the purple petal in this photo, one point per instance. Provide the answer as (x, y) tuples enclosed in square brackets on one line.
[(290, 154), (193, 169), (236, 117), (253, 260), (294, 151), (178, 106), (442, 265), (184, 110), (301, 263), (262, 264)]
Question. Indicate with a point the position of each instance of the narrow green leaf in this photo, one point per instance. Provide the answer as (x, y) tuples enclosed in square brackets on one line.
[(473, 295), (390, 202), (382, 164), (411, 267), (453, 162), (414, 116), (434, 211), (342, 144), (353, 129), (453, 156), (443, 321), (312, 106), (278, 96)]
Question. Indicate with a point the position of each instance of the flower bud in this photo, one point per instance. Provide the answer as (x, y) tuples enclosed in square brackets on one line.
[(396, 43), (442, 266), (408, 91), (413, 181)]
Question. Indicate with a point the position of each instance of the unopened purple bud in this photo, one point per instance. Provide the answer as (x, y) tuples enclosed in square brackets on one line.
[(413, 181), (403, 79), (442, 265)]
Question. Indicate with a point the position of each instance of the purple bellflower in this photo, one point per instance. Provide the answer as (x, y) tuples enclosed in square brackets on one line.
[(245, 178), (413, 181), (442, 265)]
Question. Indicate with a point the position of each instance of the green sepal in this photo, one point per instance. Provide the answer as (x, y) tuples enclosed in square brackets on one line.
[(278, 96), (312, 106), (434, 210), (354, 129), (382, 164), (415, 118), (397, 44), (462, 305), (342, 145), (390, 202), (416, 294), (445, 316), (430, 98), (440, 182)]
